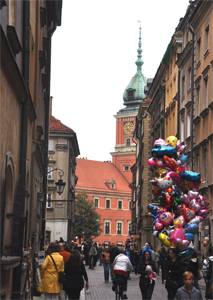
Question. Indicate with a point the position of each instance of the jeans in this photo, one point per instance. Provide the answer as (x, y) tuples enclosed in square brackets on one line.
[(111, 271), (62, 295), (146, 291), (50, 296), (157, 267), (106, 271)]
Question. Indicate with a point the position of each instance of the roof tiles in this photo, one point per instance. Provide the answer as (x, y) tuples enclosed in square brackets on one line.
[(56, 125), (92, 175)]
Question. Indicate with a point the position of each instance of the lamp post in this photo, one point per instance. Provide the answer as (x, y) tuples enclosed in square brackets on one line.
[(60, 184)]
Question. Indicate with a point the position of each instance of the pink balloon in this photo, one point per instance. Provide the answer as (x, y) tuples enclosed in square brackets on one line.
[(158, 226), (178, 233), (185, 199), (193, 195), (161, 210), (166, 218), (194, 205), (159, 163), (181, 244), (151, 161), (203, 212)]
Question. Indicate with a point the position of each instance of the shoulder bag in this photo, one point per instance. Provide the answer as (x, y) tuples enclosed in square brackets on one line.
[(61, 277)]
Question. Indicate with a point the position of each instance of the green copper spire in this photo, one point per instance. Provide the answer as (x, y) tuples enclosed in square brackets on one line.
[(134, 93), (139, 61)]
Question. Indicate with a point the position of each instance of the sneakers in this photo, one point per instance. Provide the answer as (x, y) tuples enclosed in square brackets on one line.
[(125, 297)]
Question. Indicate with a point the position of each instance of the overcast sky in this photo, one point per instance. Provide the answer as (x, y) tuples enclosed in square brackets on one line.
[(93, 60)]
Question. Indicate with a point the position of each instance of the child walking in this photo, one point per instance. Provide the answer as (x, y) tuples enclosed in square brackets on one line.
[(188, 291)]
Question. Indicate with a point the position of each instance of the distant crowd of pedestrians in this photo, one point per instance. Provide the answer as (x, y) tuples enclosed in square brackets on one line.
[(180, 277)]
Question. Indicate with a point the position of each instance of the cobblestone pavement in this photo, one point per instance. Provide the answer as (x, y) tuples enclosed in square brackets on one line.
[(99, 290)]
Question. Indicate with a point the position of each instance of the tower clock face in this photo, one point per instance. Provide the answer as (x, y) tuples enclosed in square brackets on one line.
[(128, 127)]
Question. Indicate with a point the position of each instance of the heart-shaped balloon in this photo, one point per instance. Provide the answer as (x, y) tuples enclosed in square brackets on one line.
[(181, 244), (151, 161), (194, 205), (164, 239), (166, 218), (158, 225), (203, 212), (185, 199), (193, 195)]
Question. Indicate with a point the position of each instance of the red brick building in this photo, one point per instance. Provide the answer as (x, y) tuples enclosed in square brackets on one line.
[(108, 188)]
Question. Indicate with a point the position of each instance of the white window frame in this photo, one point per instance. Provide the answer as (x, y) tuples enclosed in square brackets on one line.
[(125, 166), (129, 141), (50, 173), (109, 203), (96, 198), (188, 123), (119, 200), (119, 222), (50, 145), (107, 221), (49, 197)]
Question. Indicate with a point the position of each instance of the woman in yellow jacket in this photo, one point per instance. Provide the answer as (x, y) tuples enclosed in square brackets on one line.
[(50, 285)]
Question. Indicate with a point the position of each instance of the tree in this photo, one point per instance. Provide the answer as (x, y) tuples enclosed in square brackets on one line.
[(86, 218)]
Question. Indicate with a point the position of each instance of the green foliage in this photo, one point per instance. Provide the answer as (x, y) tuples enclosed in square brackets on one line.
[(86, 218)]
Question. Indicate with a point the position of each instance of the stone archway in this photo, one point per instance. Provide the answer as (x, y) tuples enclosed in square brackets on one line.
[(9, 200)]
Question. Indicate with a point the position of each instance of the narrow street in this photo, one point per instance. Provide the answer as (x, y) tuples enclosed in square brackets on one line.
[(99, 290)]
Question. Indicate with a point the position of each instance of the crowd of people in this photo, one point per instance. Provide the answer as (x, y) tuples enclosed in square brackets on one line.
[(180, 277)]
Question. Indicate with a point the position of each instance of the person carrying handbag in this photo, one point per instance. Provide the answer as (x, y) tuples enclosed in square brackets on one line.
[(50, 285)]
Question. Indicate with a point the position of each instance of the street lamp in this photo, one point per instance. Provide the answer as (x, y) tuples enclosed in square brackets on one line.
[(60, 184)]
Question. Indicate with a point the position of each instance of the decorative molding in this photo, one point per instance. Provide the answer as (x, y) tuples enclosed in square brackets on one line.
[(181, 112), (61, 147), (197, 119), (204, 142), (196, 148), (188, 104), (204, 112), (13, 39), (205, 71), (211, 105), (197, 81)]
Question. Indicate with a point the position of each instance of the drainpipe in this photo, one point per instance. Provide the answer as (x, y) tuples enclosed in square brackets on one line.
[(192, 92), (19, 199), (46, 137), (178, 108)]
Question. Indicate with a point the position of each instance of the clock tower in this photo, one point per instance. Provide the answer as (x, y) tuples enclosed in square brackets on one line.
[(124, 155)]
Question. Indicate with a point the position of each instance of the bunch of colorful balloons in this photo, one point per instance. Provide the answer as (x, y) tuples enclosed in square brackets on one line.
[(178, 208)]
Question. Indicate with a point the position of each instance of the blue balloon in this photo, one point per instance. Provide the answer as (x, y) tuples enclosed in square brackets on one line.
[(192, 228), (187, 253), (189, 236)]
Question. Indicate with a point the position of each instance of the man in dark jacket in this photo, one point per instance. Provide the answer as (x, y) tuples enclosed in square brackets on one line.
[(113, 253)]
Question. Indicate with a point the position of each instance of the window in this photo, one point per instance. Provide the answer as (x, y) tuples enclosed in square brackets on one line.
[(50, 145), (128, 142), (126, 168), (130, 204), (96, 202), (119, 204), (183, 86), (107, 203), (197, 162), (49, 202), (106, 228), (198, 50), (205, 164), (188, 123), (129, 228), (112, 186), (119, 228), (49, 173), (205, 91), (197, 100), (182, 129), (189, 78), (206, 39)]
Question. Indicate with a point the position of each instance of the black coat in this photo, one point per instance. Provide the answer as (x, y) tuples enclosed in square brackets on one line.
[(113, 253), (74, 276), (176, 271), (141, 270)]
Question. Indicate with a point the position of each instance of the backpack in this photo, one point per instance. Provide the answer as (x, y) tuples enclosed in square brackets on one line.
[(210, 271)]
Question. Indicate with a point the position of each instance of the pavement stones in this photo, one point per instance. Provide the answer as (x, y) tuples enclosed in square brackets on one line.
[(99, 290)]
